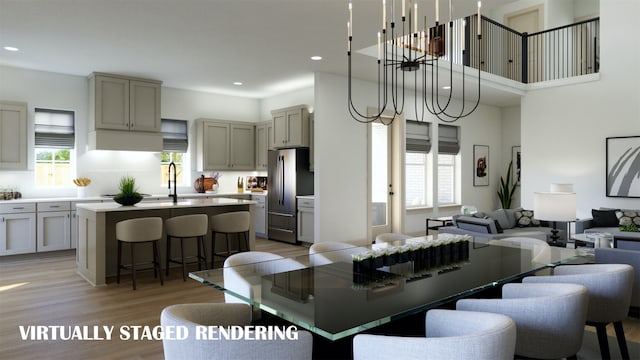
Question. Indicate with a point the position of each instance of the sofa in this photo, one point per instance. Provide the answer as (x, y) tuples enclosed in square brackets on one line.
[(504, 223), (609, 221)]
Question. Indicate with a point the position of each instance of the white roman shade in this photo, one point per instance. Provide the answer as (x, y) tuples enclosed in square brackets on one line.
[(54, 129), (174, 135), (418, 136), (448, 140)]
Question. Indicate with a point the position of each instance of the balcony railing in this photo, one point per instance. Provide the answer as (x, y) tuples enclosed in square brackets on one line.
[(557, 53)]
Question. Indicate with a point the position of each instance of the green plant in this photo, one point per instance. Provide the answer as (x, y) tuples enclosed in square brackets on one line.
[(631, 227), (127, 187), (507, 189)]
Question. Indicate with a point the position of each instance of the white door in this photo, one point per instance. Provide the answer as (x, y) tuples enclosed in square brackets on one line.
[(380, 185)]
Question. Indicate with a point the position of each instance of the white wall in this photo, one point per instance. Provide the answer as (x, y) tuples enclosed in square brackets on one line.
[(297, 97), (564, 128), (341, 161), (510, 137)]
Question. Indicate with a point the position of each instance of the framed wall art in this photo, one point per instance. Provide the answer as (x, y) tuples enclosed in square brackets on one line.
[(623, 166), (480, 165), (516, 165)]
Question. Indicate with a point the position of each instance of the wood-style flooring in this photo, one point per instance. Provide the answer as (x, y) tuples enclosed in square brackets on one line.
[(45, 290)]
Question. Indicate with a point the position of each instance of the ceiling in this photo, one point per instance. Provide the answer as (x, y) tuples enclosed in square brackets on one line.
[(203, 45)]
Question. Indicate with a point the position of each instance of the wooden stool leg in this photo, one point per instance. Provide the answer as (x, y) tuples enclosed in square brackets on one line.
[(168, 254), (119, 262), (213, 249), (133, 266), (156, 261), (226, 235), (184, 263)]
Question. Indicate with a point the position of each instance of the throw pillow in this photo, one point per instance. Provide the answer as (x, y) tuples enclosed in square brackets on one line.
[(501, 216), (605, 218), (524, 218), (627, 217), (498, 227)]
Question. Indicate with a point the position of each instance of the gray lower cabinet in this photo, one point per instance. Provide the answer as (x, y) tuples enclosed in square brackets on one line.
[(17, 228), (260, 214), (54, 226)]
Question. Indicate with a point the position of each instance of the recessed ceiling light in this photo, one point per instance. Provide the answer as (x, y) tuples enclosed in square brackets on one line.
[(316, 58), (11, 48), (446, 87), (237, 83)]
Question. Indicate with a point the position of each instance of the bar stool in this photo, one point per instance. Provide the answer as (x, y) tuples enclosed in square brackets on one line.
[(185, 227), (236, 222), (136, 231)]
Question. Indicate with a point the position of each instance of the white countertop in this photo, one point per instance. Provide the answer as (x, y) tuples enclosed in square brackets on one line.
[(103, 198), (308, 197), (113, 206)]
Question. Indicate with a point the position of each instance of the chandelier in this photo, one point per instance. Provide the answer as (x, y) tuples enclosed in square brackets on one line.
[(412, 51)]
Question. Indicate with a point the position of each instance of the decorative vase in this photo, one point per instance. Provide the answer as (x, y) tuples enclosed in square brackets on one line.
[(127, 200)]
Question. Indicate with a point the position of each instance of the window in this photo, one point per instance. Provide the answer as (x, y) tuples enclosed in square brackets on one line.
[(54, 145), (174, 145), (448, 169), (418, 145), (446, 179)]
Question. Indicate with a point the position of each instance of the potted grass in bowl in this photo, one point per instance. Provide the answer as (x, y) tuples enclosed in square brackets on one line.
[(128, 194)]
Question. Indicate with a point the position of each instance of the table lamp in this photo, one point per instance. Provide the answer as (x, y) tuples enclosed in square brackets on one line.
[(555, 206)]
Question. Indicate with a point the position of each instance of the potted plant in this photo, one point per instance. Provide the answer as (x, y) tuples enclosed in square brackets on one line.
[(128, 193), (507, 189)]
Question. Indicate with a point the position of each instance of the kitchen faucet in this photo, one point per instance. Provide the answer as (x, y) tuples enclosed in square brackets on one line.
[(175, 190)]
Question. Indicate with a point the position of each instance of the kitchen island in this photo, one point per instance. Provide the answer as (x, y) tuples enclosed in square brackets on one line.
[(96, 253)]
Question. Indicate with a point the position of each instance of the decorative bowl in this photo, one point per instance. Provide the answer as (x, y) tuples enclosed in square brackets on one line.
[(128, 200)]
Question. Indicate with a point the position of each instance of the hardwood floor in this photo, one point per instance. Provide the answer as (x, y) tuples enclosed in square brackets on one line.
[(45, 290)]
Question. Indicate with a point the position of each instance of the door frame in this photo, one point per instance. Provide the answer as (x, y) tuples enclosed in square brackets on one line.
[(395, 171)]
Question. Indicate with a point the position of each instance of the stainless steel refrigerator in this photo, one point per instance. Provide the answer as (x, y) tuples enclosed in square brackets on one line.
[(289, 176)]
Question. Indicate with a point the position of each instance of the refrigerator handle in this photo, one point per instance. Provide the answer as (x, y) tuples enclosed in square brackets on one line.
[(282, 181)]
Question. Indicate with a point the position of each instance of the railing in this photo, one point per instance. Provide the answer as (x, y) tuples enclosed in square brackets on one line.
[(563, 52), (557, 53)]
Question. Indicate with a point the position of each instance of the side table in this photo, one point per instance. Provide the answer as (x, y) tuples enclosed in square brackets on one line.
[(440, 222)]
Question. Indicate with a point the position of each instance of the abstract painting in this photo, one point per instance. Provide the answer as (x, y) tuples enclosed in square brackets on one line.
[(480, 165), (623, 166), (516, 165)]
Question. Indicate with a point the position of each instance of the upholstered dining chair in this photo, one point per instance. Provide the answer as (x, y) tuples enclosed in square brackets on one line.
[(330, 252), (240, 268), (391, 238), (610, 287), (540, 250), (450, 334), (629, 257), (191, 316), (549, 317)]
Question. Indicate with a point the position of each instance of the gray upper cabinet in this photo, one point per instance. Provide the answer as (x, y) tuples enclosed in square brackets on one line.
[(125, 113), (291, 127), (225, 145), (13, 135), (264, 143)]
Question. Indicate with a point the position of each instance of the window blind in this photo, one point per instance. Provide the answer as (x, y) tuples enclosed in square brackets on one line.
[(174, 135), (448, 140), (54, 129), (418, 137)]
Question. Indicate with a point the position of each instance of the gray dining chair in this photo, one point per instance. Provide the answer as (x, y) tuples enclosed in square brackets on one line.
[(330, 252), (629, 257), (610, 287), (193, 316), (549, 317), (449, 334), (239, 270)]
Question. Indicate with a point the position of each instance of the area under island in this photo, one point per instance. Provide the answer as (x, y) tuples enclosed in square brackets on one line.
[(96, 254)]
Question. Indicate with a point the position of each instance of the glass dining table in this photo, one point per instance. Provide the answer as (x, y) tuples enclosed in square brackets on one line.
[(330, 299)]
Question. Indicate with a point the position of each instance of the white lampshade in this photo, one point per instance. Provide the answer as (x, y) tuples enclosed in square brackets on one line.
[(567, 188), (554, 206)]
